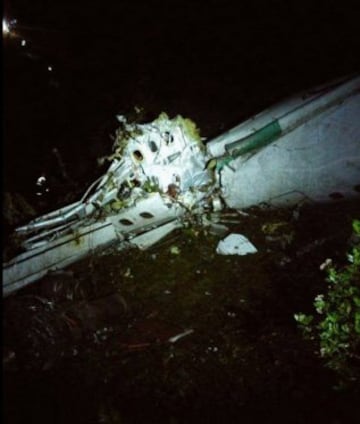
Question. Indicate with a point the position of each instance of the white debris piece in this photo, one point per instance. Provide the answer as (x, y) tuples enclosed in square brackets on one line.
[(179, 336), (235, 244)]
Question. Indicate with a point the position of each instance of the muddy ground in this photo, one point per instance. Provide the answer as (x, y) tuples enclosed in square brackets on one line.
[(95, 344)]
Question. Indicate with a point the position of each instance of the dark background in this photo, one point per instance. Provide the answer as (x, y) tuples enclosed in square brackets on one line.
[(216, 62)]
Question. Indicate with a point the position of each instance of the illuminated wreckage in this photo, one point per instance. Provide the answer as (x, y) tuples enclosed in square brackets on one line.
[(162, 177)]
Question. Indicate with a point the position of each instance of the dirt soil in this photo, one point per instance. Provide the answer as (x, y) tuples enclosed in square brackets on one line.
[(98, 342)]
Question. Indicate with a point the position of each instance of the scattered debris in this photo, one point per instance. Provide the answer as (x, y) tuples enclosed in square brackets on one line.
[(326, 264), (235, 244), (174, 250), (128, 273), (179, 336)]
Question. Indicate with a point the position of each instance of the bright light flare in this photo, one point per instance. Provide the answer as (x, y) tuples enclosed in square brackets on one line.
[(5, 27)]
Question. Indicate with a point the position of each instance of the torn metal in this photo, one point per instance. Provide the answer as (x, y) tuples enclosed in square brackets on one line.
[(163, 177)]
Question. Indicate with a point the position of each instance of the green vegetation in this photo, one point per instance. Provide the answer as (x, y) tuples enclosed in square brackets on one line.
[(190, 129), (336, 327)]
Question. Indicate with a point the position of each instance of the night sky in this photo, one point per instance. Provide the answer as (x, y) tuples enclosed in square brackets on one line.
[(216, 62)]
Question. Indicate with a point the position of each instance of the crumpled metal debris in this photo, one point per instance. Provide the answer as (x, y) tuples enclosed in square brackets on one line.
[(166, 155), (162, 177), (157, 181), (235, 244)]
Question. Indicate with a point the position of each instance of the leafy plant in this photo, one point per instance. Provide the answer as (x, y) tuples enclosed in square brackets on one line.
[(336, 326)]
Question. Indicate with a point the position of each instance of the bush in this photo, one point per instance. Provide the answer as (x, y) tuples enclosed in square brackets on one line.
[(335, 329)]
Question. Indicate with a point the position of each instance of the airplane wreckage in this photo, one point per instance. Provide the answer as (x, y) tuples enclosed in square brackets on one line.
[(162, 177)]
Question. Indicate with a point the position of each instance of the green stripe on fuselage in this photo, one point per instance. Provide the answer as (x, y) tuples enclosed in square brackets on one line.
[(254, 141)]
